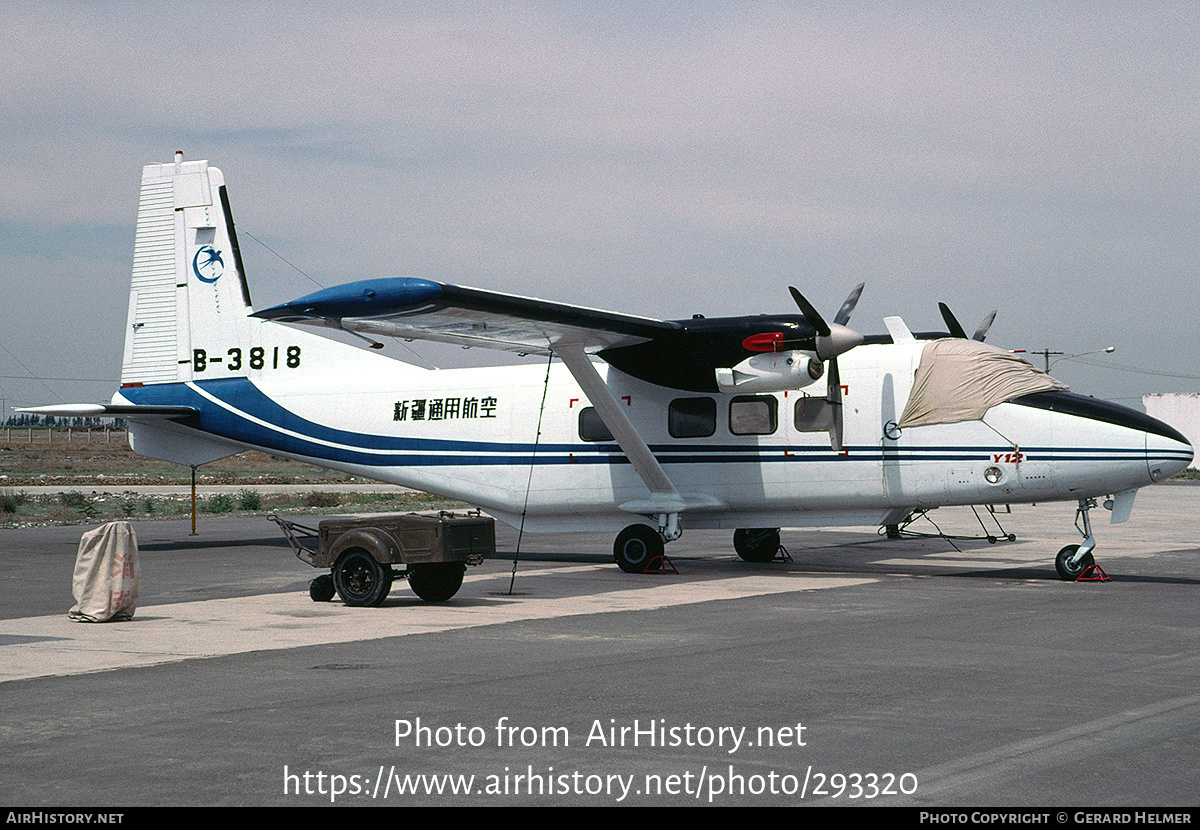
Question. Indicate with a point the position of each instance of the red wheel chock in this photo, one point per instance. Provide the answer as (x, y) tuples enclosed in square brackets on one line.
[(660, 565), (1093, 573)]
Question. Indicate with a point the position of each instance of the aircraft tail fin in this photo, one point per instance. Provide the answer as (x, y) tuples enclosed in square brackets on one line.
[(189, 301), (187, 273)]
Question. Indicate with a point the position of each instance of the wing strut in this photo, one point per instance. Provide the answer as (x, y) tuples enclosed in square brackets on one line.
[(665, 500)]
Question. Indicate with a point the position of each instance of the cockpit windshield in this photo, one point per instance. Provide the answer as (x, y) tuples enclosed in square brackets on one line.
[(960, 380)]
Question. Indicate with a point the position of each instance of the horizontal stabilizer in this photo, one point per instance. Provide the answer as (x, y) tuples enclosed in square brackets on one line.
[(100, 410)]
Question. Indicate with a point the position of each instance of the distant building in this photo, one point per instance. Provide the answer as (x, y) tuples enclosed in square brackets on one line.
[(1181, 411)]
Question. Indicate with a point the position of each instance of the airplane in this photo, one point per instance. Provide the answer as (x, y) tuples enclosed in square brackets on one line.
[(635, 426)]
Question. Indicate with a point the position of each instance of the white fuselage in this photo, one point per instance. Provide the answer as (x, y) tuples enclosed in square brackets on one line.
[(508, 439)]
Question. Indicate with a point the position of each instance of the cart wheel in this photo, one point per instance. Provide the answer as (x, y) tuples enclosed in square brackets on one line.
[(360, 580), (438, 581), (321, 589)]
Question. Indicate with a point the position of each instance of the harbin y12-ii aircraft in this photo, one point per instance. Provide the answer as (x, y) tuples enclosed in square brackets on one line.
[(642, 427)]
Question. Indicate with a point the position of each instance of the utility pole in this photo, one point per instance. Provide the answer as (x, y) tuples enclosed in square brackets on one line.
[(1045, 353)]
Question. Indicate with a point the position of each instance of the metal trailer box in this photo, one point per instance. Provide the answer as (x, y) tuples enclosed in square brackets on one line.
[(431, 550)]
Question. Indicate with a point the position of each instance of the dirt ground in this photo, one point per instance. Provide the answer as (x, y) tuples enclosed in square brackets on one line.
[(81, 459), (92, 471)]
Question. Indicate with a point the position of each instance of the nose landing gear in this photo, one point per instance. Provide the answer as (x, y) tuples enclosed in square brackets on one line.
[(1075, 563)]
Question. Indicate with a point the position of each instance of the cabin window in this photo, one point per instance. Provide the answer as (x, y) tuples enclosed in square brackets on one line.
[(692, 417), (813, 414), (591, 426), (753, 415)]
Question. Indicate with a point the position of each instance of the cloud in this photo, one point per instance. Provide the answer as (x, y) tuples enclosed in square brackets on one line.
[(665, 159)]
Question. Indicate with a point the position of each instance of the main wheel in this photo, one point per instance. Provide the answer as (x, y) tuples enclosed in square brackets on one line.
[(756, 544), (636, 547), (436, 581), (360, 580), (1064, 567)]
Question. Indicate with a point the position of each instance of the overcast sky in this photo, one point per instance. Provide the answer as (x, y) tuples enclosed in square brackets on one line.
[(657, 159)]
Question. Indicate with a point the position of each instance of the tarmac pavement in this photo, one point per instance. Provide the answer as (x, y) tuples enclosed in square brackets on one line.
[(865, 672)]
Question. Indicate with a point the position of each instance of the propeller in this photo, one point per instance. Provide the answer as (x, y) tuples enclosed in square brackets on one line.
[(836, 339), (831, 341), (982, 331), (956, 329)]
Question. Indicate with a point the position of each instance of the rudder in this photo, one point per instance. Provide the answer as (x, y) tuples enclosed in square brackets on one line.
[(187, 273)]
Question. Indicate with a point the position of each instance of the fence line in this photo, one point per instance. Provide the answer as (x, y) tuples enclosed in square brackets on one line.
[(70, 435)]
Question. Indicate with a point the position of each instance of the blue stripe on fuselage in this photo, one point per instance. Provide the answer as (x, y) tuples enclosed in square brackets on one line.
[(251, 417)]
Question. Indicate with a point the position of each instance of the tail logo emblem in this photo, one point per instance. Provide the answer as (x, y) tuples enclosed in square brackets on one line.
[(207, 264)]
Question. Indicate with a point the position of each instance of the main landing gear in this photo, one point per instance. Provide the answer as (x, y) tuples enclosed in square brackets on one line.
[(1075, 562), (639, 548), (758, 544)]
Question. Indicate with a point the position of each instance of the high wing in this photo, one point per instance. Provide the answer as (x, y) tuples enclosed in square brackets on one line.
[(421, 309), (759, 353)]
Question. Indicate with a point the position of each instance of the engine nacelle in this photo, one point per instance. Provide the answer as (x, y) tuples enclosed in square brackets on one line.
[(771, 372)]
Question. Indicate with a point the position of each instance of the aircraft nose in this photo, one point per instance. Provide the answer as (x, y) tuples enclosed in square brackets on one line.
[(1119, 438), (1168, 453)]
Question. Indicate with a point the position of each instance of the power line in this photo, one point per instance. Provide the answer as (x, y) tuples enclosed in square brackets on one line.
[(30, 371), (1139, 371), (74, 380)]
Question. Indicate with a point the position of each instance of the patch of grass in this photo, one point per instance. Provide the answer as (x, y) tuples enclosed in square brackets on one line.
[(78, 501), (10, 502), (220, 503), (72, 498), (318, 499), (249, 500)]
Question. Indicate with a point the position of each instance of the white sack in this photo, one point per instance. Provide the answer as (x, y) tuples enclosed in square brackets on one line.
[(106, 574)]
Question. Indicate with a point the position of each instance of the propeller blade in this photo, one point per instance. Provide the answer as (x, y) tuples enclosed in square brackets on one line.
[(956, 329), (834, 340), (835, 401), (814, 318), (982, 331), (843, 315)]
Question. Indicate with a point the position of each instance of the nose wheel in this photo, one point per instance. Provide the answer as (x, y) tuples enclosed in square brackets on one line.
[(1075, 563), (1069, 565)]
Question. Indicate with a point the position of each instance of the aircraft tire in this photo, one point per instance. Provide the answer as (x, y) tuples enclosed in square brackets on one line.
[(322, 588), (436, 581), (756, 544), (1065, 569), (360, 580), (636, 547)]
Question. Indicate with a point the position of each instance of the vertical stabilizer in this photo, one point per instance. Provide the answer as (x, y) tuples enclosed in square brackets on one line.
[(201, 379), (187, 273)]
